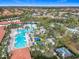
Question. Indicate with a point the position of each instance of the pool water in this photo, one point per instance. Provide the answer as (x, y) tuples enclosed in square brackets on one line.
[(20, 39), (64, 51)]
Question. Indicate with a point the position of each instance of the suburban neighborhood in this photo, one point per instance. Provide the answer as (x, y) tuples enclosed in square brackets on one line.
[(39, 33)]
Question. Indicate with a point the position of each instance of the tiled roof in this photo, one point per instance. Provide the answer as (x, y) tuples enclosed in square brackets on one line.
[(6, 22), (2, 33), (23, 53)]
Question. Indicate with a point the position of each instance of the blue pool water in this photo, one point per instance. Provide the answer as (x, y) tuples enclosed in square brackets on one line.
[(64, 51), (20, 39)]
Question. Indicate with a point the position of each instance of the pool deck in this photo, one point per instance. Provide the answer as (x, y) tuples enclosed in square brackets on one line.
[(19, 53), (23, 53), (2, 31)]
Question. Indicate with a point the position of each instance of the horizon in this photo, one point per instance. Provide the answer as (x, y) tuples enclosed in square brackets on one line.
[(39, 3)]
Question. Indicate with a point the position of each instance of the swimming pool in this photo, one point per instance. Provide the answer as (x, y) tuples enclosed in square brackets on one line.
[(64, 51), (20, 39)]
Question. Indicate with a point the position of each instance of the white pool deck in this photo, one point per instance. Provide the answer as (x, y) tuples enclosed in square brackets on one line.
[(12, 41), (13, 34)]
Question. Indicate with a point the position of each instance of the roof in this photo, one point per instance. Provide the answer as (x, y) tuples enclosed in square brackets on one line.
[(9, 22), (23, 53), (2, 33), (4, 22)]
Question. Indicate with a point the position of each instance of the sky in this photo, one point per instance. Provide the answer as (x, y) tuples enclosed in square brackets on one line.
[(39, 2)]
